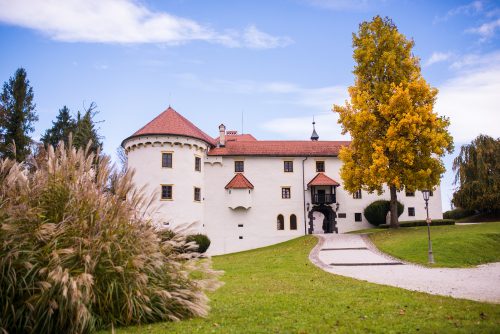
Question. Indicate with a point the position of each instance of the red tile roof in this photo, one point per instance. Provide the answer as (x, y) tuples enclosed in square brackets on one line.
[(322, 180), (239, 181), (170, 122), (281, 148), (244, 137)]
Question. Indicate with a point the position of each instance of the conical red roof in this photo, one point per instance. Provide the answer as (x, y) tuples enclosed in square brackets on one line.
[(170, 122), (322, 180), (239, 181)]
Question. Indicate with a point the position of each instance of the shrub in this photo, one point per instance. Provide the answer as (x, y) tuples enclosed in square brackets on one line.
[(458, 213), (413, 223), (201, 240), (76, 255), (376, 212)]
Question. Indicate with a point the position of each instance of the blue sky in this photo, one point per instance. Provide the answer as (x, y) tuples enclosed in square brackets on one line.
[(278, 62)]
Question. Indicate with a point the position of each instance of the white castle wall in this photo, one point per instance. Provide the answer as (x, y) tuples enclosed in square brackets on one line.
[(145, 157), (260, 221), (222, 215)]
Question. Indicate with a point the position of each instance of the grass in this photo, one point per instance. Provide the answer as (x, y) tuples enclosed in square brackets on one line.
[(453, 246), (277, 290)]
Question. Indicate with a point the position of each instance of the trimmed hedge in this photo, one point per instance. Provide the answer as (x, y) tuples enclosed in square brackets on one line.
[(201, 240), (413, 223), (376, 212), (458, 213)]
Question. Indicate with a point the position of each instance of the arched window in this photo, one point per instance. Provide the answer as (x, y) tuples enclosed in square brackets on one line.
[(281, 222), (293, 222)]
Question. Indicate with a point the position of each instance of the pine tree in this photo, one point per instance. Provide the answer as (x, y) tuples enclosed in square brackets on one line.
[(397, 138), (61, 128), (86, 131), (17, 115)]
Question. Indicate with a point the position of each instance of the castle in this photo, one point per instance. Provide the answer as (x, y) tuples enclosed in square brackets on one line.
[(246, 193)]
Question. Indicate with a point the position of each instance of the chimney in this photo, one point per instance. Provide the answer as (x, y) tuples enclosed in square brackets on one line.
[(222, 135)]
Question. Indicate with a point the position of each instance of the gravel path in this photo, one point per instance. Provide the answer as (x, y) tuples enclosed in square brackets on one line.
[(354, 256)]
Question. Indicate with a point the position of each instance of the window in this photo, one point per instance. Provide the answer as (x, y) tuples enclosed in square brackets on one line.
[(240, 225), (239, 166), (197, 164), (240, 237), (357, 217), (410, 194), (166, 191), (197, 194), (288, 166), (411, 212), (285, 192), (293, 222), (166, 160), (342, 215), (431, 193), (320, 166), (357, 194), (280, 223)]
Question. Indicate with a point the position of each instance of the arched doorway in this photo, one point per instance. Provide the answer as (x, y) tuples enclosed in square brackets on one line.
[(329, 224)]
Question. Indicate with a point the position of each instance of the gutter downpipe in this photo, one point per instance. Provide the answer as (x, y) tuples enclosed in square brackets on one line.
[(304, 196)]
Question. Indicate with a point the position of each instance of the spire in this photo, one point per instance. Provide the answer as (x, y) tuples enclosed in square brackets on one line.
[(314, 136)]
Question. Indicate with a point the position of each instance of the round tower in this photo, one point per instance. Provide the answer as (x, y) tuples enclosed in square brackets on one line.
[(168, 156)]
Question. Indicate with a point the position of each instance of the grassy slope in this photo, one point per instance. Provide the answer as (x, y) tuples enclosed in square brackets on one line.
[(277, 290), (453, 246)]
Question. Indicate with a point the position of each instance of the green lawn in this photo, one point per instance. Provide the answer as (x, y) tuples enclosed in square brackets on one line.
[(453, 246), (277, 290)]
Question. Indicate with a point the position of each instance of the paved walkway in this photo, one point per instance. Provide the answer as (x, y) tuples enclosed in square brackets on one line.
[(355, 256)]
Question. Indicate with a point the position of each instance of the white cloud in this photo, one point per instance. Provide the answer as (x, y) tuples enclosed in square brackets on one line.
[(475, 61), (276, 92), (257, 39), (472, 8), (301, 127), (471, 98), (122, 21), (437, 57), (486, 30)]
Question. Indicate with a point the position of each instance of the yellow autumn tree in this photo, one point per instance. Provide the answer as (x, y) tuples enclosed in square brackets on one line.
[(397, 139)]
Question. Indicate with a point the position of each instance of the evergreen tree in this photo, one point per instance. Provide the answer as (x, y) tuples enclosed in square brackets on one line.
[(86, 130), (17, 115), (61, 128), (477, 171), (397, 138)]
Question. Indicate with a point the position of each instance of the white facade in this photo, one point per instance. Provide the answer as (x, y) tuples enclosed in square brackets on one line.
[(242, 219), (144, 156)]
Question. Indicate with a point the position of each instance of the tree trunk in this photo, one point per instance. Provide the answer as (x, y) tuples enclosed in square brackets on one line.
[(394, 207)]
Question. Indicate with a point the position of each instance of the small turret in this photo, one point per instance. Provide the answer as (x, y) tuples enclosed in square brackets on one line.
[(314, 136)]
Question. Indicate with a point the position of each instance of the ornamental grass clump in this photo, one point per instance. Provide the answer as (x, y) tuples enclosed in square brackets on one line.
[(77, 253)]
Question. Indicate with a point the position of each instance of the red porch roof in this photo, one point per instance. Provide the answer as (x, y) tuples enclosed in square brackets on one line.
[(322, 180), (239, 181)]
